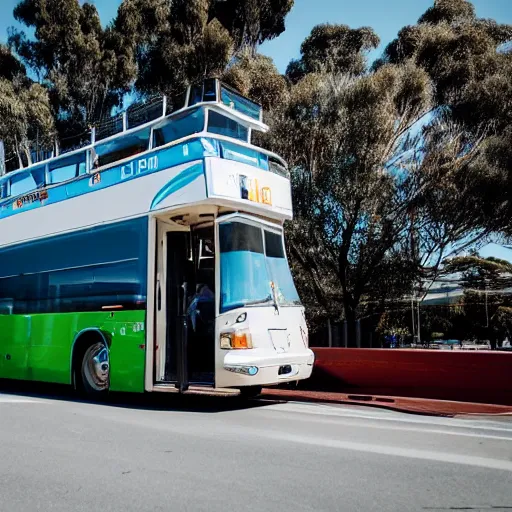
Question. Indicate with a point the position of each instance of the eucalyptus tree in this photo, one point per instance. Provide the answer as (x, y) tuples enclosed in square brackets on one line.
[(485, 308), (175, 43), (26, 120), (374, 174), (334, 49), (84, 67), (470, 64)]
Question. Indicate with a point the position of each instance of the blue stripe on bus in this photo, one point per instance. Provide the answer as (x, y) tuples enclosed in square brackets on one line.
[(183, 179), (158, 160)]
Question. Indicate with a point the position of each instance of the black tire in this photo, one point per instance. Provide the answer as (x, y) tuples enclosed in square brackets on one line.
[(92, 371), (250, 391)]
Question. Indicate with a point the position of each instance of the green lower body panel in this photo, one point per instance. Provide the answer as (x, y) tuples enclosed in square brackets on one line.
[(39, 347)]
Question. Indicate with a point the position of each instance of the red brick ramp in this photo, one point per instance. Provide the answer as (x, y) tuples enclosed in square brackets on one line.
[(456, 376), (411, 405)]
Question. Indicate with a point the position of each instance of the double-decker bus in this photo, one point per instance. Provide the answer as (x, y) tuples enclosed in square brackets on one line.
[(152, 258)]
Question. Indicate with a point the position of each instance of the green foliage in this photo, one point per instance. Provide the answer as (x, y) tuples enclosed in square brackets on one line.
[(25, 116), (471, 74), (459, 51), (380, 193), (333, 49), (25, 112), (257, 77), (10, 67), (449, 11), (252, 22), (152, 46), (182, 42), (480, 273), (390, 324), (490, 190), (84, 67), (364, 185), (172, 43)]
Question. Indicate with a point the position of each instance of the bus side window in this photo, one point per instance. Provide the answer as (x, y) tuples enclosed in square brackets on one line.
[(79, 271), (222, 125), (67, 168), (27, 181), (123, 147), (180, 126)]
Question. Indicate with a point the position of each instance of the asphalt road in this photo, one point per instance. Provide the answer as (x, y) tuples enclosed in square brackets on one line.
[(197, 454)]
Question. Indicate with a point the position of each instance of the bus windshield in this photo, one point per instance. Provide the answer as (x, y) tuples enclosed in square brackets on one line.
[(251, 258)]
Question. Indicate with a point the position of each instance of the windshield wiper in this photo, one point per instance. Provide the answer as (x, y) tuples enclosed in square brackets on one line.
[(258, 301), (274, 296)]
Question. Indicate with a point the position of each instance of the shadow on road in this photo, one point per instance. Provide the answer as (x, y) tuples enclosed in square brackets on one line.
[(144, 401)]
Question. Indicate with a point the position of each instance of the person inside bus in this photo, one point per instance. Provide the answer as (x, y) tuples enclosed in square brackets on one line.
[(201, 317), (203, 295)]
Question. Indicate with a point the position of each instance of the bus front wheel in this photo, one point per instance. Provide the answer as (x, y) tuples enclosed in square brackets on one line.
[(92, 373), (250, 391)]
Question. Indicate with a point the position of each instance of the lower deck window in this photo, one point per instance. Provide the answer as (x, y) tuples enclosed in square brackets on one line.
[(81, 271)]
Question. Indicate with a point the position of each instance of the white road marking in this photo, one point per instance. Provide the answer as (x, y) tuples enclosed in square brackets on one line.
[(12, 399), (391, 417), (395, 451), (426, 427)]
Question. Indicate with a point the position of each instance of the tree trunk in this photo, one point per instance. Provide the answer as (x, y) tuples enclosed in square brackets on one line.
[(350, 317)]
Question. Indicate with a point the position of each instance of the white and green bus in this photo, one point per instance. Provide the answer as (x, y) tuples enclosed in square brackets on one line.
[(152, 258)]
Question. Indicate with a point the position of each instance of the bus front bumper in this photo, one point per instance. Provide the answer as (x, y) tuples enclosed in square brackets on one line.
[(243, 370)]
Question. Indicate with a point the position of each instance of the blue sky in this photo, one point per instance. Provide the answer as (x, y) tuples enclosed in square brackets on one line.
[(386, 17)]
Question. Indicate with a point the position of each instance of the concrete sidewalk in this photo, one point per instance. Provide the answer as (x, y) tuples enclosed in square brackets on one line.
[(412, 405)]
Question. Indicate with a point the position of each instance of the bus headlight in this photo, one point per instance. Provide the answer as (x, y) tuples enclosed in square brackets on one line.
[(244, 370), (237, 339)]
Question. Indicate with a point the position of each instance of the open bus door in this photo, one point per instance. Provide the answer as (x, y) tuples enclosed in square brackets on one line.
[(186, 308), (178, 278)]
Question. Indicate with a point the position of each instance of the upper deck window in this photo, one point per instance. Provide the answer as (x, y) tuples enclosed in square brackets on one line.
[(68, 168), (122, 147), (237, 102), (207, 91), (27, 181), (278, 168), (222, 125), (178, 127)]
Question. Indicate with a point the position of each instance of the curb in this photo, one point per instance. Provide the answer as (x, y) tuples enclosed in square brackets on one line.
[(403, 404)]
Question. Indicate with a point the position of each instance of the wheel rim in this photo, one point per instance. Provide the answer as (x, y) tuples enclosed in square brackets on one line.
[(96, 367)]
